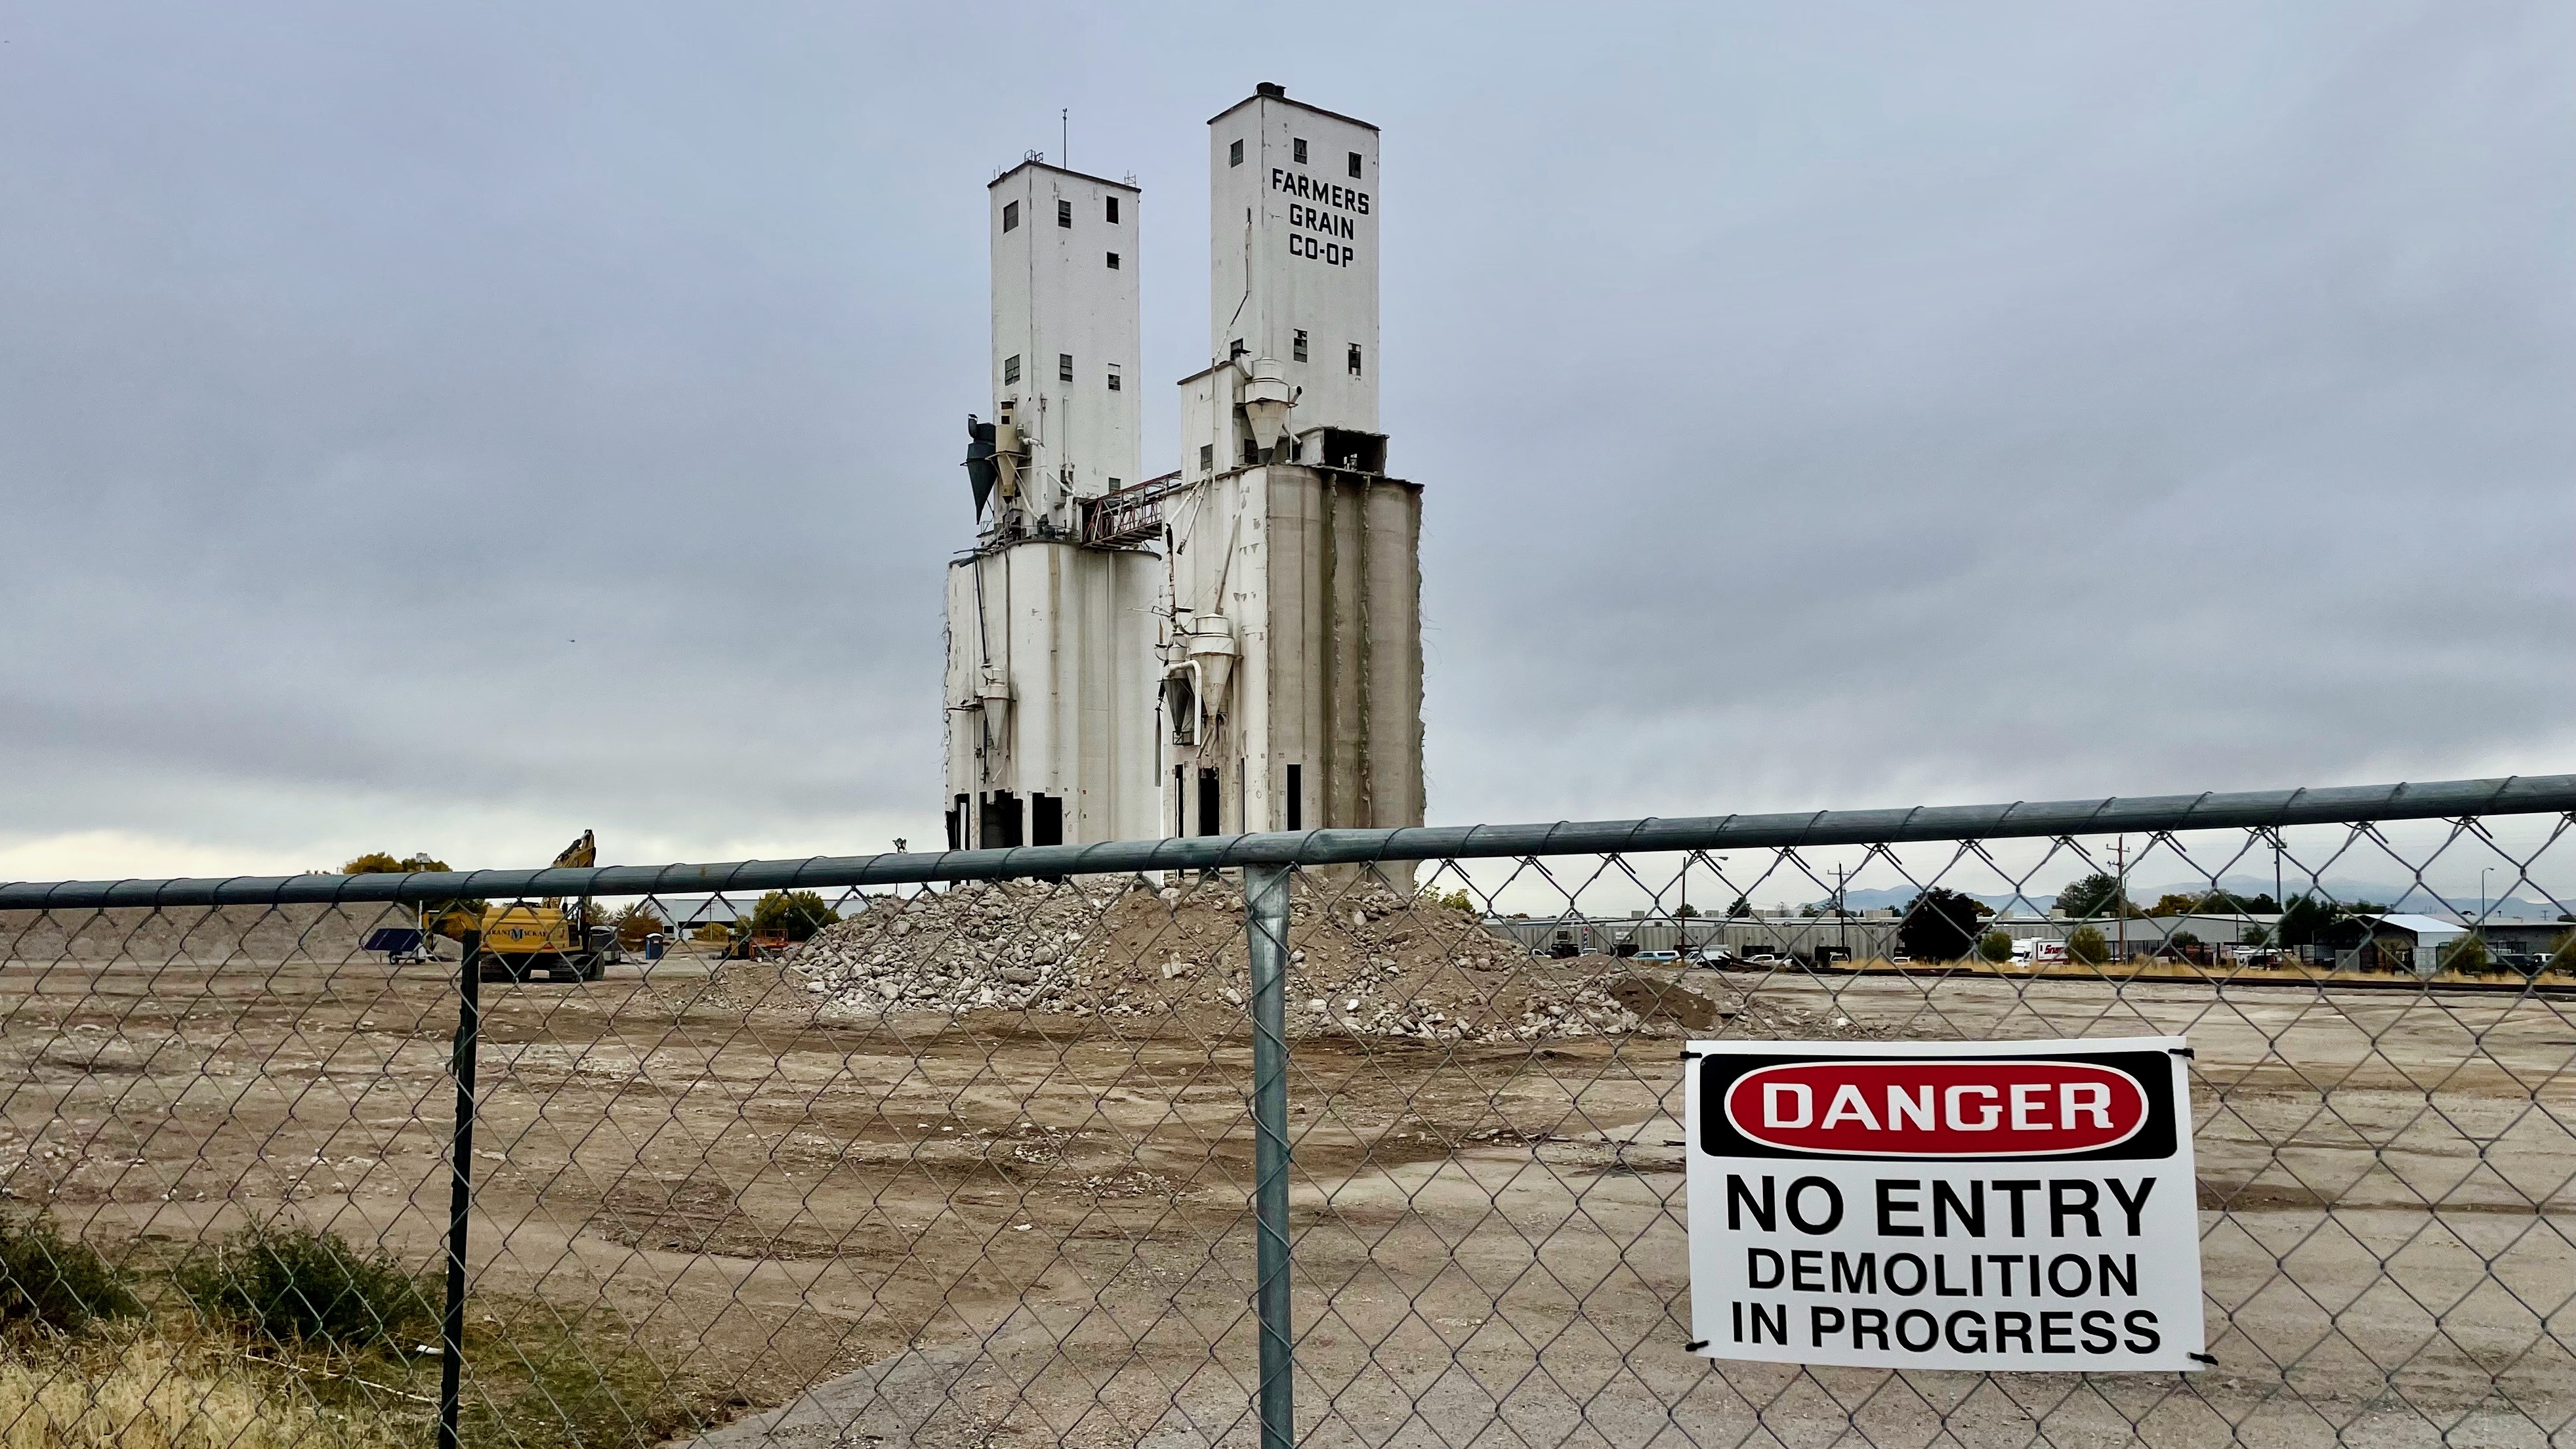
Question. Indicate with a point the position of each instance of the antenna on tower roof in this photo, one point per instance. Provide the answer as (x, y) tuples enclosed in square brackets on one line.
[(1064, 140)]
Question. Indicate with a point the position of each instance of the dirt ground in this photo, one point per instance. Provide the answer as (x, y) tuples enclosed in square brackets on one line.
[(1005, 1226)]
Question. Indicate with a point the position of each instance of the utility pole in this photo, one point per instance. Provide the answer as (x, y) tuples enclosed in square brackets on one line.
[(2120, 893), (1842, 915)]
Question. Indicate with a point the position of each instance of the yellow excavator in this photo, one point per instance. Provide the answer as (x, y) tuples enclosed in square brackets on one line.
[(523, 938)]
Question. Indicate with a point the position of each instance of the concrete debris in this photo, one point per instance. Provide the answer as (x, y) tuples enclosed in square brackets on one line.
[(1365, 962)]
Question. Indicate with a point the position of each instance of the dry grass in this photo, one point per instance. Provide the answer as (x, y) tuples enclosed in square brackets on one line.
[(147, 1391)]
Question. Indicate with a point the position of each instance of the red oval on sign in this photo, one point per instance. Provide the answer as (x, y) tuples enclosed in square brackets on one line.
[(1929, 1108)]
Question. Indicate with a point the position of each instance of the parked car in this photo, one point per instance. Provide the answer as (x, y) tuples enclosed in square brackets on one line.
[(1714, 957), (1657, 958)]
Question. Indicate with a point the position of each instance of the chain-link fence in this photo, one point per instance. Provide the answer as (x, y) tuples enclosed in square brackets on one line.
[(1364, 1138)]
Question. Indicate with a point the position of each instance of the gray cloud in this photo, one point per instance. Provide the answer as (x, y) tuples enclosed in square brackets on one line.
[(1831, 406)]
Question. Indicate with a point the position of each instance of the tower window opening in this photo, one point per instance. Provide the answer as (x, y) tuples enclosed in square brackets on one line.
[(1010, 216), (1002, 820), (1063, 213), (1113, 377), (1234, 154), (1210, 821), (1113, 207), (1207, 457), (1064, 365), (1113, 261), (1298, 148), (1355, 164), (1011, 368), (1296, 797), (1297, 349), (1355, 359)]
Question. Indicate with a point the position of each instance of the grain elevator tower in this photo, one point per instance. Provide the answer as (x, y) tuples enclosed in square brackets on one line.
[(1292, 660), (1051, 664), (1235, 645)]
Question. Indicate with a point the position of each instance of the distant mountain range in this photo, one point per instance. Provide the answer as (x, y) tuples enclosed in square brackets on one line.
[(2396, 897)]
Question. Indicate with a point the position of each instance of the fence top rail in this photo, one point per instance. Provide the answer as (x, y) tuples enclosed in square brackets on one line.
[(2353, 804)]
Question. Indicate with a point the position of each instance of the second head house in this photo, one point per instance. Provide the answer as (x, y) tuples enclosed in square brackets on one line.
[(1234, 645)]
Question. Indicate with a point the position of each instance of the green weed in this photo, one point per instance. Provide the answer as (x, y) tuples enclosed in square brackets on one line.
[(59, 1282), (297, 1286)]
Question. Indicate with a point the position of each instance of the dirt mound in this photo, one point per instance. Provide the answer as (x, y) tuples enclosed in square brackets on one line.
[(1363, 962)]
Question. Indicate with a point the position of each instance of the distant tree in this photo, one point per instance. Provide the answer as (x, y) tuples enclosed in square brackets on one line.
[(637, 921), (2097, 894), (1940, 925), (2562, 954), (377, 862), (1456, 900), (1995, 946), (2256, 936), (1687, 911), (2304, 921), (451, 919), (795, 914), (2085, 944), (1739, 909), (2212, 903), (2467, 955)]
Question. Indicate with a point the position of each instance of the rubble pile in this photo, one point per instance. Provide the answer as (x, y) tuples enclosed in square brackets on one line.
[(1364, 962)]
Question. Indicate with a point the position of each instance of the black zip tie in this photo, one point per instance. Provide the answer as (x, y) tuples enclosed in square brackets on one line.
[(2209, 1359), (1695, 1345), (2195, 1056)]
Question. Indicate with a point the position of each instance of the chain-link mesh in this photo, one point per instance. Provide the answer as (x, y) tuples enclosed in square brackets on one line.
[(978, 1161)]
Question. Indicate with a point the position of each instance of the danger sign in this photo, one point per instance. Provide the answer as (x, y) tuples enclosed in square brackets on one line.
[(1995, 1205)]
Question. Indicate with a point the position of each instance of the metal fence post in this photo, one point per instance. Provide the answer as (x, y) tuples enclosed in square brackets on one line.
[(1265, 918), (460, 1187)]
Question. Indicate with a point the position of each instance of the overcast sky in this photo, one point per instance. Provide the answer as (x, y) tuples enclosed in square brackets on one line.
[(450, 427)]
